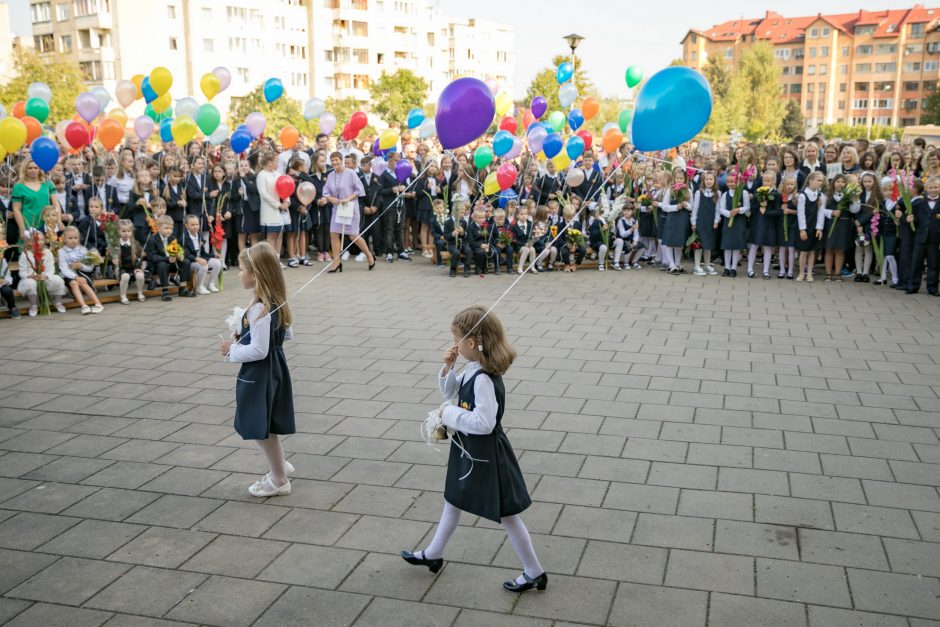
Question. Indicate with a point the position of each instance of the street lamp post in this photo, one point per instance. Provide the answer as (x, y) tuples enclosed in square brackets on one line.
[(573, 41)]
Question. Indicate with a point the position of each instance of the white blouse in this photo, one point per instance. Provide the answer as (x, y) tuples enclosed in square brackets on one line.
[(260, 331), (482, 419)]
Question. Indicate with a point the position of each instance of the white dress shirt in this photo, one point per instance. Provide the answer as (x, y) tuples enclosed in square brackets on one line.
[(481, 420)]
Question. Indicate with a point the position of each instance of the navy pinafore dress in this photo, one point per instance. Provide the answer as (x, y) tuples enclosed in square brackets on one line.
[(264, 397), (494, 487)]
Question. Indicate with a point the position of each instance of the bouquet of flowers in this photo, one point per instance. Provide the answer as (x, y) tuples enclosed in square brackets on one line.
[(554, 232), (849, 195), (646, 200), (877, 243), (903, 183), (174, 251), (763, 194), (575, 238), (737, 180), (605, 233), (680, 193), (234, 322), (109, 223), (504, 237), (786, 222), (92, 258), (39, 268), (151, 221), (693, 243)]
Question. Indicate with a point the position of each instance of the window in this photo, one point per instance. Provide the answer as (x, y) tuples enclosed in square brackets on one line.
[(430, 41), (729, 53), (810, 88), (798, 70), (825, 31), (883, 103), (786, 70), (909, 104), (912, 66), (91, 70), (206, 15), (341, 55), (824, 51), (694, 38), (361, 55), (809, 105), (813, 33), (911, 85), (844, 69), (812, 51), (87, 7), (886, 49), (242, 73), (914, 48), (917, 30), (884, 86), (841, 105), (862, 68), (360, 81), (797, 53), (933, 48), (843, 87), (930, 66), (380, 58), (908, 122), (173, 44), (859, 121), (823, 69), (171, 11), (62, 12), (44, 43), (208, 45), (822, 88), (237, 44), (280, 22), (863, 50), (861, 86), (881, 121), (65, 43), (795, 88), (360, 29), (328, 56), (39, 12), (886, 67), (867, 29), (930, 86), (811, 70), (860, 103), (782, 53), (845, 51)]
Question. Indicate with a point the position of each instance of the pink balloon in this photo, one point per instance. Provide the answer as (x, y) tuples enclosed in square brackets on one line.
[(256, 123), (224, 76), (306, 192), (537, 138), (516, 149), (327, 123), (143, 126), (379, 166)]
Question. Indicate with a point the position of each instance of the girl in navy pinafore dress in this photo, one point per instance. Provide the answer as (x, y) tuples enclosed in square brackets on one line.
[(264, 398), (483, 476)]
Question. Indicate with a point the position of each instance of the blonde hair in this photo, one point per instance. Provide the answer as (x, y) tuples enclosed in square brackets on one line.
[(70, 229), (22, 172), (496, 353), (164, 221), (270, 291), (568, 212)]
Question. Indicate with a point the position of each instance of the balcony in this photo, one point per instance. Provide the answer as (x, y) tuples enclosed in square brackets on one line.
[(100, 21)]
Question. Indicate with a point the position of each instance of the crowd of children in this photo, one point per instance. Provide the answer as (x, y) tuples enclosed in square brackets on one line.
[(182, 215)]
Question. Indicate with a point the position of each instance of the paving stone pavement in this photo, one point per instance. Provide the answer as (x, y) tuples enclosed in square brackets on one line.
[(700, 451)]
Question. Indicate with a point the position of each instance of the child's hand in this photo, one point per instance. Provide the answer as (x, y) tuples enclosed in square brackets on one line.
[(226, 346), (819, 233), (910, 218), (76, 265), (836, 213), (450, 357), (803, 235)]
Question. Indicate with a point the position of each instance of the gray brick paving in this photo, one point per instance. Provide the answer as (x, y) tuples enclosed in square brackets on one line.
[(685, 470)]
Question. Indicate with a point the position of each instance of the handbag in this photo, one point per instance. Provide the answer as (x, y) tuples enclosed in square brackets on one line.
[(345, 211)]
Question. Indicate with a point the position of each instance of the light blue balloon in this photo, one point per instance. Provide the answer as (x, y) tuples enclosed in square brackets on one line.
[(273, 89), (166, 130), (565, 72), (672, 108), (147, 91), (502, 143), (552, 145), (575, 147), (415, 118), (575, 119)]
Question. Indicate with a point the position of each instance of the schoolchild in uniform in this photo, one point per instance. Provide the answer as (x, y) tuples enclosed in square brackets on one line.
[(810, 220), (888, 232), (127, 263), (871, 202), (765, 226), (703, 222), (679, 221), (733, 229)]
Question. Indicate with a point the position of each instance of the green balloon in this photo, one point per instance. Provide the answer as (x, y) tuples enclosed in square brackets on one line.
[(634, 75), (208, 118), (557, 120), (37, 108), (482, 157), (150, 113), (626, 116)]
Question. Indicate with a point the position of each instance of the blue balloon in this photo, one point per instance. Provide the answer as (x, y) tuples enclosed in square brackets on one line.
[(672, 108), (166, 130), (45, 153), (415, 118), (505, 196), (243, 127), (565, 72), (273, 89), (502, 143), (552, 145), (575, 147), (240, 141), (149, 94), (575, 119)]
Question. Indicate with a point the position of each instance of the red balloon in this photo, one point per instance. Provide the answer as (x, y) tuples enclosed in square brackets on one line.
[(509, 123), (76, 134), (284, 186), (506, 176), (358, 121), (587, 137), (527, 119)]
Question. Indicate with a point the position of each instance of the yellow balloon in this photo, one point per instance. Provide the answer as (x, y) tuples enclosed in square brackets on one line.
[(561, 161), (388, 138), (503, 103), (3, 154), (183, 129), (119, 115), (491, 185), (161, 80), (162, 103), (12, 133), (138, 80), (210, 85)]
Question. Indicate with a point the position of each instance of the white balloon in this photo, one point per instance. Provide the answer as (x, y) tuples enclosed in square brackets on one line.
[(567, 94), (102, 95), (187, 106), (314, 108), (609, 126), (219, 135), (60, 131), (3, 112), (39, 90), (427, 129)]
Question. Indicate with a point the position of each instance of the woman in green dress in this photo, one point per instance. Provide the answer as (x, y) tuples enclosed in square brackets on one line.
[(33, 193)]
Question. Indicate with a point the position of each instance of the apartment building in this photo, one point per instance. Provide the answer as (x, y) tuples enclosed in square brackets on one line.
[(864, 68)]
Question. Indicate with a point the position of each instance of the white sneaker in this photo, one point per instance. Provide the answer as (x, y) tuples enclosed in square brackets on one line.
[(699, 272), (85, 310), (202, 291), (61, 308), (710, 270), (33, 311), (266, 487), (97, 309), (600, 268), (214, 289), (345, 256), (124, 300), (616, 267), (141, 297), (361, 257)]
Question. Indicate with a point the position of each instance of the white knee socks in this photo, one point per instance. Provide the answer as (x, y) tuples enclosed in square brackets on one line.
[(666, 253)]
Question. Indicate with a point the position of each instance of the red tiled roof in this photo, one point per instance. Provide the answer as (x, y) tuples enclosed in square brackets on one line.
[(730, 31)]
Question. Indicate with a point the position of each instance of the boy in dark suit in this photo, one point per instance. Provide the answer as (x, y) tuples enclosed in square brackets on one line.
[(160, 263), (926, 220)]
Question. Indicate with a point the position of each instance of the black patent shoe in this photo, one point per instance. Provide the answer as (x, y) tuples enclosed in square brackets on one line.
[(539, 583), (433, 565)]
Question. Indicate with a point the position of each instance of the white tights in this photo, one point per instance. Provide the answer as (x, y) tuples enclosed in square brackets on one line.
[(863, 258), (515, 529), (526, 257), (752, 257), (732, 257), (551, 253), (126, 279), (889, 263), (787, 256), (699, 253), (651, 247)]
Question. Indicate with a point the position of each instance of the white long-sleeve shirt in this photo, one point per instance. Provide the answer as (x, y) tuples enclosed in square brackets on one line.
[(68, 256), (270, 202), (801, 209), (27, 264), (260, 330), (854, 207), (482, 419), (697, 201), (627, 230), (724, 205)]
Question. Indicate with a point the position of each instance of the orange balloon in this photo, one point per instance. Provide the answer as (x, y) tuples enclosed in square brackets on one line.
[(110, 133), (19, 109), (612, 140), (33, 129), (289, 137), (138, 79), (589, 108)]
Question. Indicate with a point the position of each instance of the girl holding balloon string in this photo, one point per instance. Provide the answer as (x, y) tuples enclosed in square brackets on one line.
[(301, 203)]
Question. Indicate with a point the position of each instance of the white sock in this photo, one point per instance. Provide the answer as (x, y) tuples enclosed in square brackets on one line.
[(751, 257), (768, 253), (125, 281), (666, 254), (522, 543), (708, 257), (445, 529)]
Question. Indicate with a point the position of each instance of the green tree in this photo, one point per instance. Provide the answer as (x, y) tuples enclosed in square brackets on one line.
[(792, 124), (718, 75), (931, 114), (280, 113), (343, 108), (677, 62), (846, 132), (750, 101), (64, 78), (394, 95), (609, 111), (545, 84)]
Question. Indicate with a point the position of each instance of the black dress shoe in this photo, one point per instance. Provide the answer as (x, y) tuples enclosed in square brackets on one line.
[(338, 268), (433, 565), (539, 583), (453, 272)]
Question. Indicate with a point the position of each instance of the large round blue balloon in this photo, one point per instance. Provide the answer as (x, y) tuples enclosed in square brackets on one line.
[(575, 119), (574, 147), (45, 153), (273, 89), (502, 143), (552, 145), (415, 118), (673, 106), (464, 111), (505, 196), (565, 72), (166, 130), (147, 91), (240, 141)]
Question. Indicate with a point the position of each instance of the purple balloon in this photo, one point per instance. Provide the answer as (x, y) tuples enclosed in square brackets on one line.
[(516, 149), (143, 126), (403, 169), (464, 111), (87, 106), (538, 106), (536, 138), (256, 123)]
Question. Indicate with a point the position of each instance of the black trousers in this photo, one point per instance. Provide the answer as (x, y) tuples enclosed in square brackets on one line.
[(502, 257), (6, 292), (479, 260), (905, 253), (566, 255), (162, 270), (933, 266), (456, 254), (392, 229)]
